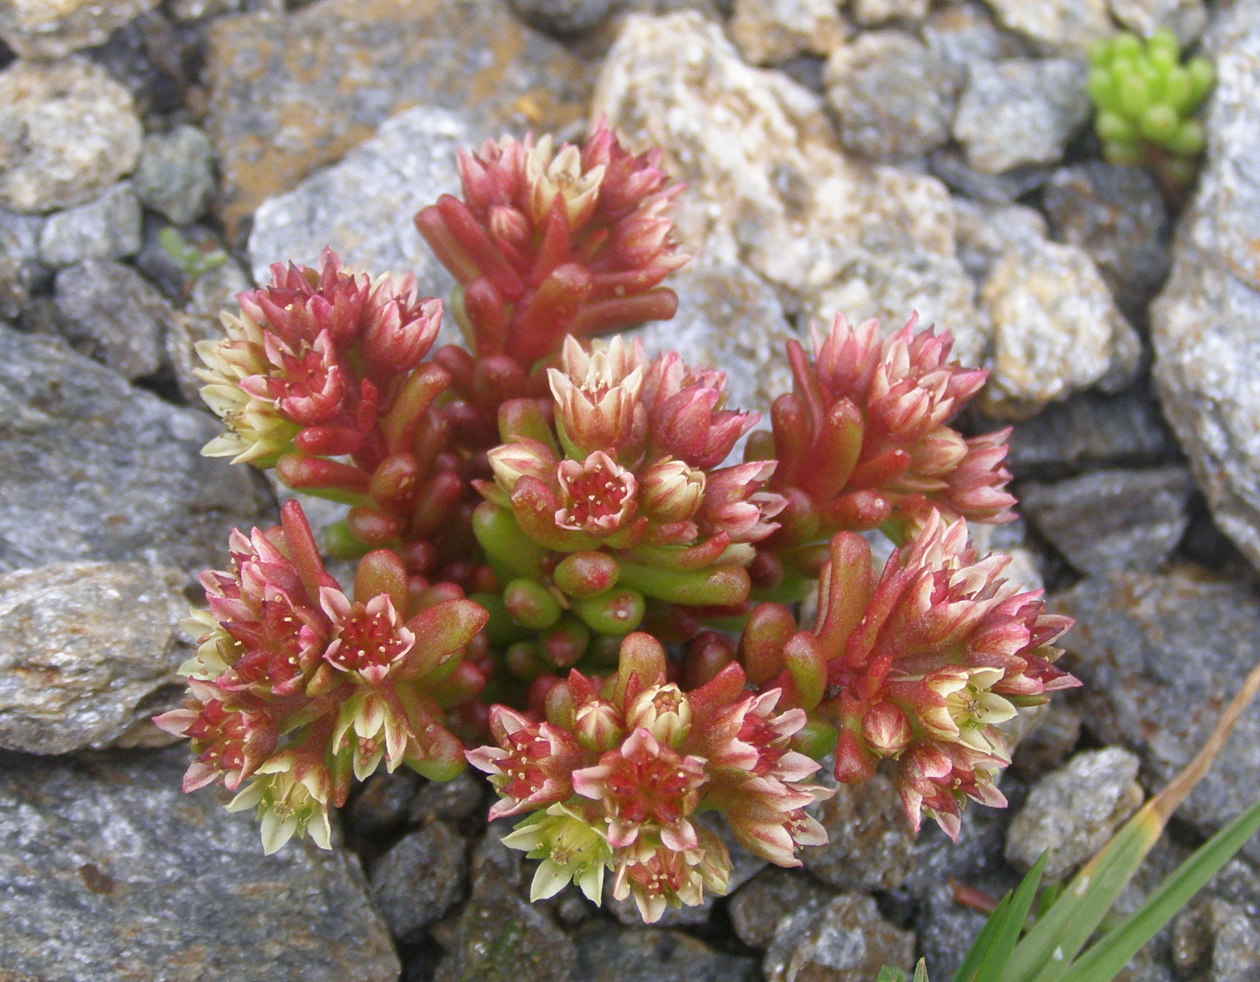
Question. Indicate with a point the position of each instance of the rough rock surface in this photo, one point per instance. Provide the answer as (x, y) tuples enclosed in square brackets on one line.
[(770, 186), (871, 845), (151, 883), (290, 93), (1159, 656), (44, 29), (1202, 324), (1091, 429), (107, 228), (1113, 519), (86, 649), (1117, 215), (418, 880), (845, 938), (1186, 18), (175, 174), (728, 316), (605, 954), (763, 902), (112, 313), (1020, 111), (1058, 26), (892, 96), (565, 16), (770, 32), (67, 132), (1070, 814), (1056, 328), (125, 467)]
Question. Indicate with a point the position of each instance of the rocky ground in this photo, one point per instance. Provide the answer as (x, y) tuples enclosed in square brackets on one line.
[(871, 156)]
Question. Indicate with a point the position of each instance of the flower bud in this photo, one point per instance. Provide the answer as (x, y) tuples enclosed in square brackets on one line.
[(886, 729), (671, 490)]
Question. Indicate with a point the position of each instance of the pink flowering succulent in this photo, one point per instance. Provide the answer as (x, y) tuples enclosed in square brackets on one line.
[(295, 686), (863, 440), (615, 775), (562, 576), (547, 243)]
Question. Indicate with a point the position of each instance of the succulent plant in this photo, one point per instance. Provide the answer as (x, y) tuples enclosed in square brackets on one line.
[(1146, 100)]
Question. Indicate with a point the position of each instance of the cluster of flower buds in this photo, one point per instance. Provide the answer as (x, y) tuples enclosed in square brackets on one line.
[(612, 507), (917, 664), (863, 440), (296, 686), (549, 243), (615, 773), (537, 518)]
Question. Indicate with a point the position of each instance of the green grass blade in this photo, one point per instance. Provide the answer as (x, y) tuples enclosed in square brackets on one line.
[(920, 971), (987, 957), (1108, 956), (890, 974), (1047, 950)]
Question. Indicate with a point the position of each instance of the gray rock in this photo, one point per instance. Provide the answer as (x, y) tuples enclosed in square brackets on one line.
[(768, 183), (107, 228), (1056, 328), (418, 880), (770, 33), (728, 318), (1201, 322), (192, 10), (1020, 111), (1056, 26), (291, 93), (379, 805), (944, 926), (1071, 813), (110, 312), (19, 260), (872, 13), (964, 34), (67, 132), (86, 650), (763, 902), (565, 16), (1117, 215), (125, 467), (53, 30), (844, 939), (363, 206), (871, 845), (606, 954), (451, 800), (1113, 519), (891, 95), (1216, 942), (108, 871), (1159, 656), (1047, 746), (175, 174), (500, 937), (1185, 18), (1090, 429), (950, 165)]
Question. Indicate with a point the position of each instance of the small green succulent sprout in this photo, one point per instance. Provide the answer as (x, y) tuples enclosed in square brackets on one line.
[(1145, 99)]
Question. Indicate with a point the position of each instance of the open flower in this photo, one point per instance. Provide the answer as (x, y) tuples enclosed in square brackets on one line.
[(571, 847)]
